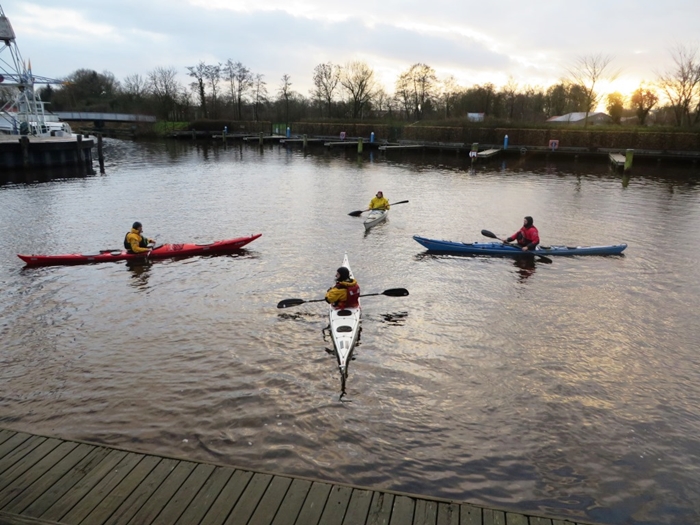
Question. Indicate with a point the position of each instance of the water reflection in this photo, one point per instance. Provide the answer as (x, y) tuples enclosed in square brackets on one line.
[(140, 271), (526, 268)]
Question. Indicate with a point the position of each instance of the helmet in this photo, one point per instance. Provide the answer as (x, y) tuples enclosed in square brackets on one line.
[(136, 225)]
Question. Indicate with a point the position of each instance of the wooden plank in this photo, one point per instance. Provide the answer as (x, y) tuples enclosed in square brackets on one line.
[(292, 502), (16, 448), (271, 501), (517, 519), (402, 513), (24, 465), (5, 435), (358, 509), (137, 463), (163, 494), (67, 482), (13, 519), (380, 509), (202, 501), (46, 481), (448, 514), (228, 497), (316, 499), (470, 515), (184, 495), (120, 505), (535, 520), (114, 466), (425, 513), (336, 505), (249, 500), (494, 517), (30, 469)]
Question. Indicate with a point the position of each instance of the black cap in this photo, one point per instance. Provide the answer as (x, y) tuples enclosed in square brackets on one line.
[(136, 225), (528, 221), (344, 273)]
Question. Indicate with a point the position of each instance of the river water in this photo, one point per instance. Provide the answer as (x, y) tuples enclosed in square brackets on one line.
[(571, 388)]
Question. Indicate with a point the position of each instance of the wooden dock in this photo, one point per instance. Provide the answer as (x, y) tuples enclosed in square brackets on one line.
[(488, 153), (617, 159), (46, 480)]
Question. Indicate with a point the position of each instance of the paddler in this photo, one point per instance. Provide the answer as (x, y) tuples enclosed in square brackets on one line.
[(135, 242), (528, 237), (346, 292), (379, 202)]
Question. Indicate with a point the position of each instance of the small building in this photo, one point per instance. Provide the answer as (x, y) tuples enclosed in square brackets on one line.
[(475, 117), (579, 118)]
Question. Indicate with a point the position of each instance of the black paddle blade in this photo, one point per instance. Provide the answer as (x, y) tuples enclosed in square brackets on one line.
[(544, 259), (396, 292), (487, 233), (356, 213), (290, 302)]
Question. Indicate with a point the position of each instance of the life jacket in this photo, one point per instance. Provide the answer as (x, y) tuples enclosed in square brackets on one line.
[(143, 243), (353, 300)]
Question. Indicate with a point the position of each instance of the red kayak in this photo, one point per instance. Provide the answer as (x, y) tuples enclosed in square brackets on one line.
[(163, 251)]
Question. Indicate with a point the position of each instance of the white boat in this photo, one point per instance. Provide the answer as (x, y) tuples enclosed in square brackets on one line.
[(344, 325), (374, 217)]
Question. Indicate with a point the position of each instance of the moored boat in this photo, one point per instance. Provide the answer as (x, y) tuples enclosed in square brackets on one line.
[(159, 252), (344, 326), (375, 217), (500, 249)]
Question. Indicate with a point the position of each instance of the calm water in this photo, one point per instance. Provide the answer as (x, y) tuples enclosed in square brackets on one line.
[(570, 388)]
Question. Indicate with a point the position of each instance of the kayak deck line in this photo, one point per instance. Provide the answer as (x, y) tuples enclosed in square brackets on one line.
[(61, 481)]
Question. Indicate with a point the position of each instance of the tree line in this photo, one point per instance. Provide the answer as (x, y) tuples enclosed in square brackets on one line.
[(232, 91)]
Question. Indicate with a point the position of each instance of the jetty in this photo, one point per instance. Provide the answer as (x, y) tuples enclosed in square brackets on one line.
[(46, 480), (28, 152)]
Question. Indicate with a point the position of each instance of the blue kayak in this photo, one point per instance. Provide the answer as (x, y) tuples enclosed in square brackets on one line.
[(498, 248)]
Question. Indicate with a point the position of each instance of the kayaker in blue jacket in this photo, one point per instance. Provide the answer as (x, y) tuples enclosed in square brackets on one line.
[(379, 202), (528, 237), (346, 291), (135, 242)]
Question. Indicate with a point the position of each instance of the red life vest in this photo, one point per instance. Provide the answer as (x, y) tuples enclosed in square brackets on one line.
[(353, 300)]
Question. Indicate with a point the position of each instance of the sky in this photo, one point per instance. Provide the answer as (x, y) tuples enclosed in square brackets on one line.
[(531, 42)]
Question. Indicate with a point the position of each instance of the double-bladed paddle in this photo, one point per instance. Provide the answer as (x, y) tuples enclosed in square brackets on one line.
[(357, 213), (542, 258), (391, 292)]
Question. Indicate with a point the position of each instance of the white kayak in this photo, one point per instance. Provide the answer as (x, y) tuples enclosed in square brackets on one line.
[(345, 331), (375, 217)]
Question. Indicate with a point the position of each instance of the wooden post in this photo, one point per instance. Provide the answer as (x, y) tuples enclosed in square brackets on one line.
[(359, 145), (100, 154), (261, 139), (474, 153), (194, 134), (24, 145), (306, 142), (629, 157), (79, 152)]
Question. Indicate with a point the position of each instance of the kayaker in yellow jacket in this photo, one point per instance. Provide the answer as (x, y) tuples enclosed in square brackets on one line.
[(135, 242), (346, 291), (379, 202)]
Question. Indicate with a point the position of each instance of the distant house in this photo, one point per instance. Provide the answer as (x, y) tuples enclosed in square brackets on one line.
[(475, 117), (579, 118)]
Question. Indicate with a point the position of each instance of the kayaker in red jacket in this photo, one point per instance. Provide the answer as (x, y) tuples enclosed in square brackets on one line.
[(346, 291), (528, 237), (135, 242)]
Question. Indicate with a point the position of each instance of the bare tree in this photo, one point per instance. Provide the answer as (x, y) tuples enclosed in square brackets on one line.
[(212, 73), (165, 88), (326, 78), (198, 72), (358, 79), (643, 100), (402, 93), (259, 94), (423, 84), (240, 81), (586, 72), (510, 90), (285, 93), (448, 93), (681, 84)]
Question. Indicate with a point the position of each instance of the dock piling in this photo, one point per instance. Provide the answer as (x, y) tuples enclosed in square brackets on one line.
[(100, 154), (260, 139), (629, 157), (359, 145), (306, 140), (474, 153), (24, 145)]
